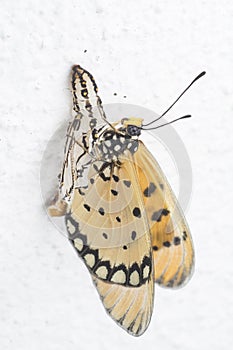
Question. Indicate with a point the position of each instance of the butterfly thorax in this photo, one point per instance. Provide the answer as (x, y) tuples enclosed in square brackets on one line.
[(118, 139)]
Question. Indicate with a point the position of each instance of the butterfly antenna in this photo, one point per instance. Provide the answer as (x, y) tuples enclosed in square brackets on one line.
[(173, 121), (153, 121)]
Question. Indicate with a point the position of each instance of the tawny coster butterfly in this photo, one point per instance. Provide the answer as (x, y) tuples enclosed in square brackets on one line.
[(121, 215)]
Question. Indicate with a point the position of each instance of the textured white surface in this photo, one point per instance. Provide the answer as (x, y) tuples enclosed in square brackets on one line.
[(148, 51)]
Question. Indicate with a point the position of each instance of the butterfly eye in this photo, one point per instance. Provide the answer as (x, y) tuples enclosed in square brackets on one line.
[(133, 130)]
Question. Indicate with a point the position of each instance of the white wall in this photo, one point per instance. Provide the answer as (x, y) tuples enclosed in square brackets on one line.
[(147, 50)]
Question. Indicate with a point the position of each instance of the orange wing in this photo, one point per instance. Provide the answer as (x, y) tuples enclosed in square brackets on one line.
[(173, 253)]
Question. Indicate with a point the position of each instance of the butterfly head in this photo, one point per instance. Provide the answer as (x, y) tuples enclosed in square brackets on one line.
[(118, 139), (132, 126)]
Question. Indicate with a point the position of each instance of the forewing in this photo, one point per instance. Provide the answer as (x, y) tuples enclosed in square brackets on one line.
[(108, 227), (173, 253)]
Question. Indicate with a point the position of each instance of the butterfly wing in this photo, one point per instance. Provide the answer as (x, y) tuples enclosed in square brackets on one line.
[(108, 227), (173, 253)]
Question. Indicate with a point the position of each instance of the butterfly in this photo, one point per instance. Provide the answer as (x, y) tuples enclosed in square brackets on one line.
[(121, 215)]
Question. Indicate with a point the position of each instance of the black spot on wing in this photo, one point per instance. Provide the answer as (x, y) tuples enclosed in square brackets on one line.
[(137, 212), (95, 168), (101, 211), (115, 178), (177, 240), (185, 236), (157, 215), (133, 235), (114, 192), (149, 190), (127, 183), (87, 207)]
